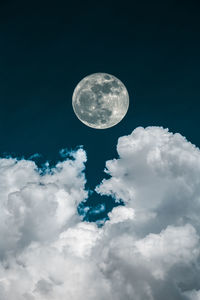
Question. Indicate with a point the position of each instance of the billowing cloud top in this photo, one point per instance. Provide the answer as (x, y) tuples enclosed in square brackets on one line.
[(148, 249)]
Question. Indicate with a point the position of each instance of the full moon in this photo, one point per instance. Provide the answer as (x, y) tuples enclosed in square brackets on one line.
[(100, 100)]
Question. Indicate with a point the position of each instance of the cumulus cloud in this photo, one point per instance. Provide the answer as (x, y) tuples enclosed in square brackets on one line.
[(120, 214), (193, 295), (157, 174), (148, 249)]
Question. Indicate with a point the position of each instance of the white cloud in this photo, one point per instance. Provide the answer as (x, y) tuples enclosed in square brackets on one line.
[(120, 214), (158, 174), (36, 206), (174, 245), (193, 295), (148, 249)]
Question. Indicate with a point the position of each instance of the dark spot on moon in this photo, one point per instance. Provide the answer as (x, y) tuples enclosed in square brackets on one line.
[(104, 88), (107, 77), (98, 115), (107, 88), (115, 84), (86, 99), (100, 89)]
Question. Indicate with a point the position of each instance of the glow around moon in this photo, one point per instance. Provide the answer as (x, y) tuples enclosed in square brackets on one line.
[(100, 100)]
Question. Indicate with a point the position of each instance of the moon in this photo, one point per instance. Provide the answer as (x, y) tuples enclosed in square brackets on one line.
[(100, 100)]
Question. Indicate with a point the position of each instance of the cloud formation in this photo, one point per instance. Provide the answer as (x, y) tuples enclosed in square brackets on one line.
[(148, 249)]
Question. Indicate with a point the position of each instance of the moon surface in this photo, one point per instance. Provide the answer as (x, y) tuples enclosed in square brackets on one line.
[(100, 100)]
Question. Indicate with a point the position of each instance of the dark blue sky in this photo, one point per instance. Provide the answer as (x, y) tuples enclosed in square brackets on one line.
[(47, 47)]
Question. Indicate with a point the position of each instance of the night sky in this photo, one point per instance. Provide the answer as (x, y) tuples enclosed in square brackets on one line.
[(48, 47)]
